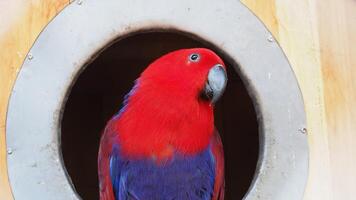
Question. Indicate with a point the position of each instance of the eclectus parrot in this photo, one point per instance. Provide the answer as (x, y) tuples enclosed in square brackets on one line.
[(162, 145)]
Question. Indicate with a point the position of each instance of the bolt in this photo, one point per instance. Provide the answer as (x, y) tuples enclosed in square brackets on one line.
[(30, 56), (79, 2), (270, 38), (303, 130), (40, 182), (9, 151)]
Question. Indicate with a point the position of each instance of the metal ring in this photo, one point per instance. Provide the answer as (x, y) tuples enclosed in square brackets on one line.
[(82, 30)]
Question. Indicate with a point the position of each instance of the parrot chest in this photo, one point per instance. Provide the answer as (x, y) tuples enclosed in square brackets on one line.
[(182, 177)]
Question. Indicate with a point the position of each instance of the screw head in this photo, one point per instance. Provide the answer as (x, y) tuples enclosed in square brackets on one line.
[(30, 56), (303, 130), (9, 151), (270, 38)]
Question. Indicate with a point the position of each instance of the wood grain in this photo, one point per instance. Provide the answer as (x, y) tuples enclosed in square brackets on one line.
[(337, 33), (319, 40), (21, 22)]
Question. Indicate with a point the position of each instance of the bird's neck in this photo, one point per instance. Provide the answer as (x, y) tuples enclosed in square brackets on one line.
[(158, 125)]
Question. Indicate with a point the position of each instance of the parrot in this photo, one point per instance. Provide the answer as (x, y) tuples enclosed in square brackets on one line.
[(162, 144)]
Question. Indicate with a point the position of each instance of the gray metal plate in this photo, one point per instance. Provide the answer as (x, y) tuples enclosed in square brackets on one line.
[(83, 28)]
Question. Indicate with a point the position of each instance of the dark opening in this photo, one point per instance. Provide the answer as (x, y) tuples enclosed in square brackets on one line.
[(99, 91)]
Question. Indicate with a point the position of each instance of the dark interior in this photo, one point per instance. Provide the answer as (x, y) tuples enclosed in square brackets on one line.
[(98, 94)]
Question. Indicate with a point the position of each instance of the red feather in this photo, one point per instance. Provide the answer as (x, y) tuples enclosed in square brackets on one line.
[(164, 110), (218, 152), (105, 150)]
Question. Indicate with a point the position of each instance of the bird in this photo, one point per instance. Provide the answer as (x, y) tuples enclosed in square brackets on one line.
[(162, 144)]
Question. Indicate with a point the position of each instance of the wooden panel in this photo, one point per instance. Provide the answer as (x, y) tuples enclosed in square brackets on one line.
[(265, 10), (337, 32), (20, 23), (319, 40)]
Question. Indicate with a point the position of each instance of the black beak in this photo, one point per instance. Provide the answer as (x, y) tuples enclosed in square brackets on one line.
[(215, 84)]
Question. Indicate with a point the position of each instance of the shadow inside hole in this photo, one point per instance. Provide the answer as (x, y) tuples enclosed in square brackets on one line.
[(99, 91)]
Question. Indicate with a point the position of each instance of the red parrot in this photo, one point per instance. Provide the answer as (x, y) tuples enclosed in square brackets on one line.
[(162, 145)]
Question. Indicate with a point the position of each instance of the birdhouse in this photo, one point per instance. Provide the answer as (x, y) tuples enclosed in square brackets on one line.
[(84, 61)]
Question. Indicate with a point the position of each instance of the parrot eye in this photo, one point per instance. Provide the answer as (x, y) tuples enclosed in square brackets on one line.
[(194, 57)]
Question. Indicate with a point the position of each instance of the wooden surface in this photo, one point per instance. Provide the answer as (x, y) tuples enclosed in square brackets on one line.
[(319, 39), (20, 23)]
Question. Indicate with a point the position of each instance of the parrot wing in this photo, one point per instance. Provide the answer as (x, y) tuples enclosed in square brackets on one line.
[(218, 153), (111, 166), (104, 162)]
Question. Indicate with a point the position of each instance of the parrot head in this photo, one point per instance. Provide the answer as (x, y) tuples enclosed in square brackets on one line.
[(192, 73), (171, 106)]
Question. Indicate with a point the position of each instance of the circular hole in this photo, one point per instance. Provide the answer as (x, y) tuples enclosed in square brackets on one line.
[(98, 94)]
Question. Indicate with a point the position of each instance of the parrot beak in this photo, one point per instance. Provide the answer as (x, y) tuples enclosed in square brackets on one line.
[(215, 84)]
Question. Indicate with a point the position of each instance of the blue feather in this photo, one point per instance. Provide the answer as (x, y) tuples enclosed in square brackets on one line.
[(182, 177)]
